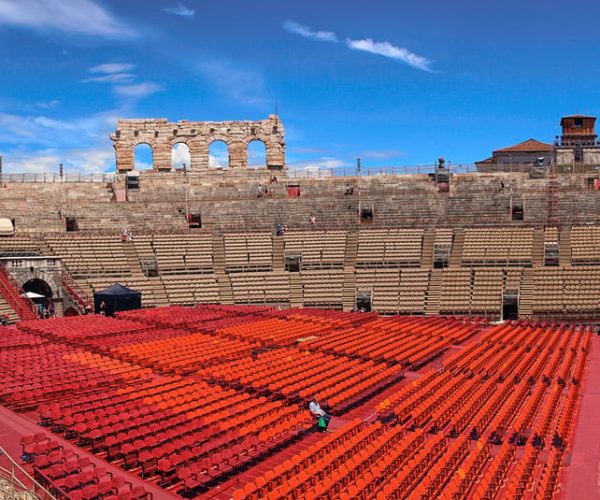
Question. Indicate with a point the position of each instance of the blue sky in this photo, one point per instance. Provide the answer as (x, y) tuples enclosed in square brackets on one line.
[(395, 83)]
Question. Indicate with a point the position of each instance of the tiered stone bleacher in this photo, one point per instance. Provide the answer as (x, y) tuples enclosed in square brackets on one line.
[(390, 248), (383, 268), (248, 251), (177, 253), (498, 246), (90, 255), (317, 249), (585, 246)]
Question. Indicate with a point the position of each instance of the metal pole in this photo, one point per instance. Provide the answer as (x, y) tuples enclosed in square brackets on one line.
[(186, 191), (358, 191)]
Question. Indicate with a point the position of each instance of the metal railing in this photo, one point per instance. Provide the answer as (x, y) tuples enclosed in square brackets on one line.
[(76, 292), (11, 473), (366, 171), (16, 298), (57, 178)]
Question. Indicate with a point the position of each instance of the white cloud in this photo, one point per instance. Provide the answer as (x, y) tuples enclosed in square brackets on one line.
[(39, 143), (180, 10), (44, 131), (243, 85), (218, 155), (325, 163), (180, 155), (109, 68), (84, 17), (47, 161), (48, 105), (386, 49), (308, 33), (112, 78), (138, 90), (382, 154)]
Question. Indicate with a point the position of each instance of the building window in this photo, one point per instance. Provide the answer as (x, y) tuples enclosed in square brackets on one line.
[(578, 122)]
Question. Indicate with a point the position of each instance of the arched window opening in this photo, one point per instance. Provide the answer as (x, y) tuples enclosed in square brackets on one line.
[(180, 156), (143, 157), (218, 155), (39, 287), (257, 154)]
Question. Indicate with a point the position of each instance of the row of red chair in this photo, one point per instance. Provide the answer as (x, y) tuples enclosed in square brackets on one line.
[(30, 376), (77, 327), (518, 385), (68, 475), (406, 340), (12, 338), (184, 353), (301, 374)]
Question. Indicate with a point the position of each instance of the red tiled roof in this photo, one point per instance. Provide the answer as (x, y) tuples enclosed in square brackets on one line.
[(530, 145)]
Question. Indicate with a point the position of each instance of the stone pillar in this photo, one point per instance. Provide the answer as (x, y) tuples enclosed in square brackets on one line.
[(123, 157), (238, 155), (198, 155), (162, 156)]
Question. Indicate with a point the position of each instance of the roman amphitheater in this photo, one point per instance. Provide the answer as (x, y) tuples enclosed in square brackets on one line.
[(445, 318)]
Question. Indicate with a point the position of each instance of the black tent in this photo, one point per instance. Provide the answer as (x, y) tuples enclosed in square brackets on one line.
[(117, 298)]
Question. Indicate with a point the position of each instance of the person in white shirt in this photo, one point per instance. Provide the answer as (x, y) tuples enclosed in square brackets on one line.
[(318, 412)]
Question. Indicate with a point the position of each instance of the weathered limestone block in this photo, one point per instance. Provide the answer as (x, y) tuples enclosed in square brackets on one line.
[(565, 157), (591, 156), (161, 135)]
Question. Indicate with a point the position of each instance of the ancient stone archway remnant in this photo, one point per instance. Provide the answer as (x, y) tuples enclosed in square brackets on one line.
[(161, 135)]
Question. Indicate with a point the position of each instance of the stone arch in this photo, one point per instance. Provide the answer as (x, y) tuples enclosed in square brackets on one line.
[(219, 154), (143, 156), (71, 311), (39, 286), (257, 153), (161, 134), (181, 155)]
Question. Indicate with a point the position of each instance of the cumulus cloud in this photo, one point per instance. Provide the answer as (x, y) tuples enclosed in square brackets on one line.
[(47, 161), (137, 90), (243, 85), (180, 10), (386, 49), (180, 155), (38, 143), (308, 33), (43, 131), (83, 17)]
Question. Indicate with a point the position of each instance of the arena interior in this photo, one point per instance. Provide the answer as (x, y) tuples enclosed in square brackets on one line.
[(445, 318)]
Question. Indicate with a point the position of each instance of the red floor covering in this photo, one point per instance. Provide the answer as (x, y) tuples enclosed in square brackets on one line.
[(13, 426), (581, 479)]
